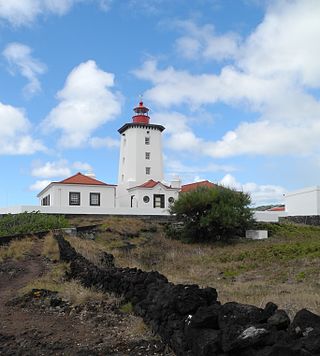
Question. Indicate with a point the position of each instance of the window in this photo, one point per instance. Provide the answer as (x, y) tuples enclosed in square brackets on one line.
[(95, 199), (158, 201), (123, 160), (146, 199), (46, 200), (171, 200), (148, 170), (74, 198), (147, 155), (147, 140)]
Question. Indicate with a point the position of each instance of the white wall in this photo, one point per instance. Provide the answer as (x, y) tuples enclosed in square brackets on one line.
[(59, 195), (81, 210), (132, 161), (303, 202), (139, 193), (268, 216)]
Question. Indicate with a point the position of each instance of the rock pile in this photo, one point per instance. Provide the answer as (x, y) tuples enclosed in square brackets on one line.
[(192, 321)]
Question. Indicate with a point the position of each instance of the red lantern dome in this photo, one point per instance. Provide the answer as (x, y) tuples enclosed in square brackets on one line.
[(141, 116)]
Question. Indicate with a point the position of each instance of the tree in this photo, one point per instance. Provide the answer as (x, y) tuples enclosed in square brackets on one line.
[(212, 214)]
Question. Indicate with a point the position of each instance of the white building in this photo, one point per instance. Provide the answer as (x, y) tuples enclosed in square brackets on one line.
[(303, 202), (78, 194)]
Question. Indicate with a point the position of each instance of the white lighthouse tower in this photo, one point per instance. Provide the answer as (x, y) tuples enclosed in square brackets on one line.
[(140, 154)]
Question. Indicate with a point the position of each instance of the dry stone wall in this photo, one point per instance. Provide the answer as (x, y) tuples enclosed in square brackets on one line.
[(192, 321)]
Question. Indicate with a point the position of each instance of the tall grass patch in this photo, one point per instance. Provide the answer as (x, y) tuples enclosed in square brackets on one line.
[(16, 250)]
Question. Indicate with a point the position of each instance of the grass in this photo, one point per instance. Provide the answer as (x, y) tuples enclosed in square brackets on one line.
[(283, 269), (50, 248), (55, 281), (16, 250)]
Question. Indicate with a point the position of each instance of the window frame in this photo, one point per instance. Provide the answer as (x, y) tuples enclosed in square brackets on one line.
[(148, 171), (147, 140), (98, 194), (78, 203), (147, 155), (162, 200)]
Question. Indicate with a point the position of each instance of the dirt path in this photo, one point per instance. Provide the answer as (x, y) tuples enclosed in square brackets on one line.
[(51, 331)]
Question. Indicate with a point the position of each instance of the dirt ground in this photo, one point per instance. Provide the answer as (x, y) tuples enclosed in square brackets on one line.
[(38, 329)]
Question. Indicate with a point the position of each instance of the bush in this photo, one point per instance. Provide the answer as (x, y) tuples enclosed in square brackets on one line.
[(30, 222), (211, 214)]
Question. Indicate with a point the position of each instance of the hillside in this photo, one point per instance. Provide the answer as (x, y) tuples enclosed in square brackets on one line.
[(283, 269), (39, 303)]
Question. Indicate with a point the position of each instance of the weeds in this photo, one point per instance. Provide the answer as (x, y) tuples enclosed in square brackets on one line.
[(16, 250), (51, 248)]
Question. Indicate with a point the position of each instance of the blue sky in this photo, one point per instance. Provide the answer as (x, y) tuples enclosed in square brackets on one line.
[(235, 83)]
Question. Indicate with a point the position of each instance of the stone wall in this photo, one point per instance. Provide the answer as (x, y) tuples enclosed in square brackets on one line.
[(192, 321), (307, 220)]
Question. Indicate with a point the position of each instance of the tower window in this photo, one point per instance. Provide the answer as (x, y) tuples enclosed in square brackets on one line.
[(147, 140), (147, 155), (148, 170), (123, 160)]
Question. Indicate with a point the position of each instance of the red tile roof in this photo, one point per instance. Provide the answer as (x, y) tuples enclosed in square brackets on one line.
[(151, 184), (277, 208), (191, 186), (80, 178)]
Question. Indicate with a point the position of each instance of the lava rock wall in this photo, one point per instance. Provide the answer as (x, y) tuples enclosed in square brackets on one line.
[(192, 321)]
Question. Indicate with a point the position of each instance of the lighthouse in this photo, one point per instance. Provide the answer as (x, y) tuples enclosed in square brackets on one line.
[(140, 161)]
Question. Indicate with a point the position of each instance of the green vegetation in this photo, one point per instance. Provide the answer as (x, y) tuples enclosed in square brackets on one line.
[(209, 214), (127, 308), (30, 222)]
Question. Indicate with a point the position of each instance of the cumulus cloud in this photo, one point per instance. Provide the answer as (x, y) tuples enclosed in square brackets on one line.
[(39, 185), (108, 142), (60, 168), (272, 73), (203, 42), (15, 137), (191, 172), (260, 194), (25, 12), (19, 57), (86, 103)]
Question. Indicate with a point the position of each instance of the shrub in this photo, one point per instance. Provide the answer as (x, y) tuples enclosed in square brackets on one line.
[(211, 214), (30, 222)]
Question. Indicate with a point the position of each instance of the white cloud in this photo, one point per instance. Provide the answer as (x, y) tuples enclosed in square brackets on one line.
[(178, 168), (260, 194), (86, 103), (203, 42), (109, 142), (25, 12), (52, 169), (15, 138), (39, 185), (82, 166), (19, 57), (61, 168), (274, 74)]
